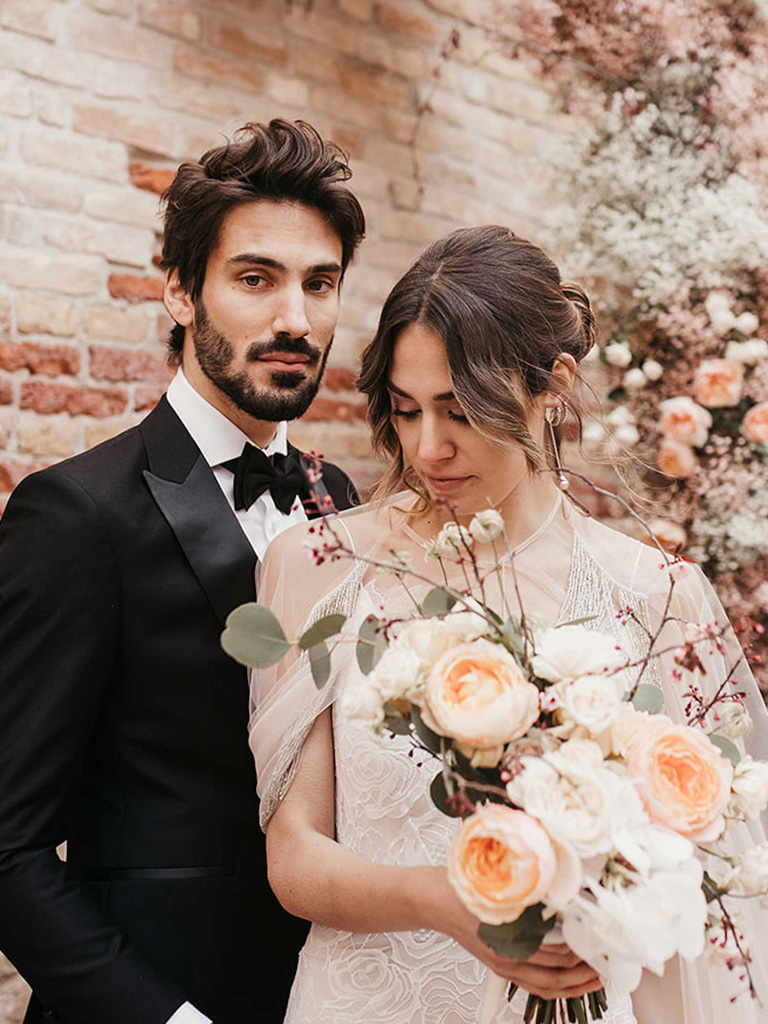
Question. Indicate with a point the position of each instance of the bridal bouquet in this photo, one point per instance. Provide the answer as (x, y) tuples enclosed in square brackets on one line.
[(587, 813)]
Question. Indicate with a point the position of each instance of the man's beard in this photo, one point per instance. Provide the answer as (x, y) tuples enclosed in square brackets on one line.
[(293, 390)]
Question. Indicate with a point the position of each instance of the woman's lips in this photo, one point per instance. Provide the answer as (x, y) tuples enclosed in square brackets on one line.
[(446, 484)]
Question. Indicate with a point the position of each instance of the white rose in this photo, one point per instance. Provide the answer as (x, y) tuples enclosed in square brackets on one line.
[(623, 728), (749, 789), (451, 543), (618, 354), (620, 416), (748, 352), (486, 526), (719, 312), (746, 323), (398, 673), (578, 801), (653, 370), (363, 701), (732, 720), (649, 847), (634, 379), (751, 875), (592, 702), (568, 652)]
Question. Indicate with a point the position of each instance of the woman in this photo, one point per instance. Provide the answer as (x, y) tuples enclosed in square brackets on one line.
[(476, 353)]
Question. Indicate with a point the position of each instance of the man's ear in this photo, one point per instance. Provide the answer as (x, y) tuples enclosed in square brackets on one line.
[(177, 301)]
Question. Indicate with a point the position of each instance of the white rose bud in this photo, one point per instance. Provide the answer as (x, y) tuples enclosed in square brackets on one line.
[(749, 788), (634, 379), (619, 416), (618, 354), (747, 352), (733, 720), (628, 434), (451, 543), (486, 526), (719, 312), (751, 875), (746, 323), (653, 370)]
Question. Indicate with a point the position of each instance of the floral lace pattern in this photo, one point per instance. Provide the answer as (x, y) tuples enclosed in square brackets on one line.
[(384, 813)]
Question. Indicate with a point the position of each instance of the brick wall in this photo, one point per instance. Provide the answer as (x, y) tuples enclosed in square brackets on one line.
[(101, 99)]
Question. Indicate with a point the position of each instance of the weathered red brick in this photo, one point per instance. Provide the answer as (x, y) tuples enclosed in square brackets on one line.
[(6, 392), (394, 19), (327, 409), (134, 288), (148, 397), (225, 35), (118, 364), (152, 179), (151, 133), (49, 359), (339, 378), (229, 71), (44, 398), (12, 473)]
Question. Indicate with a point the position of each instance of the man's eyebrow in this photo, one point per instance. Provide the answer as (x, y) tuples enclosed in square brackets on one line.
[(254, 259), (445, 396)]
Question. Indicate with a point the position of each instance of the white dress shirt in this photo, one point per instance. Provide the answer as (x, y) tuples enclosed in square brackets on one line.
[(220, 440)]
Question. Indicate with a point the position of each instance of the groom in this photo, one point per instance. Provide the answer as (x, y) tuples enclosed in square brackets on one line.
[(123, 725)]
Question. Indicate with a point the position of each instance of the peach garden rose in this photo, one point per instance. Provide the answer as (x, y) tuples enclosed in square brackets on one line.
[(503, 861), (754, 426), (684, 421), (682, 778), (718, 383), (477, 694), (675, 459)]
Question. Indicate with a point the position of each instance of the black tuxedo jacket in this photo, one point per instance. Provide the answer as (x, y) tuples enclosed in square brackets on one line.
[(123, 731)]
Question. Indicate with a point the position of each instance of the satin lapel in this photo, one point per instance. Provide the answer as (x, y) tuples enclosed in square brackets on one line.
[(186, 492)]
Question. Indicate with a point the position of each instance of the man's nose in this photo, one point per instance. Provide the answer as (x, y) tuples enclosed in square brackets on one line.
[(291, 313)]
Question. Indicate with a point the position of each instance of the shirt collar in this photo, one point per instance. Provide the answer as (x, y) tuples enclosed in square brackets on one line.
[(216, 436)]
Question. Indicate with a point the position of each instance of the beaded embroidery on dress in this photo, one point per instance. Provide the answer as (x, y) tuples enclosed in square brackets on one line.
[(383, 809)]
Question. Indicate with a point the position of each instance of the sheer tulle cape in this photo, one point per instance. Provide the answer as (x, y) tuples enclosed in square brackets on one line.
[(571, 567)]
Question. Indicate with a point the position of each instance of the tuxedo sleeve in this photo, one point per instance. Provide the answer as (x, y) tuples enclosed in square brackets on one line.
[(59, 626)]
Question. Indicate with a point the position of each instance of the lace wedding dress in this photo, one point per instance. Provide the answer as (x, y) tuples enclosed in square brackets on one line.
[(570, 568)]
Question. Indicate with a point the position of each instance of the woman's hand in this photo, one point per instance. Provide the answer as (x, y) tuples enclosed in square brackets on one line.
[(554, 972)]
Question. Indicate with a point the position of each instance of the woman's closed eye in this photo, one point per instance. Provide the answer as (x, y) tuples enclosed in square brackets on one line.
[(410, 414)]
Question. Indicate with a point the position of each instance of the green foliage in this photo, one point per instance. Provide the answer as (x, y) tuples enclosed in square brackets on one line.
[(321, 630), (437, 602), (371, 644), (440, 796), (430, 740), (648, 698), (727, 749), (320, 663), (254, 637), (517, 940)]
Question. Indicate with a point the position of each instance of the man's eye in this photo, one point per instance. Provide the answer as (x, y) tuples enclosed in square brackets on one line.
[(252, 280), (320, 286), (406, 414)]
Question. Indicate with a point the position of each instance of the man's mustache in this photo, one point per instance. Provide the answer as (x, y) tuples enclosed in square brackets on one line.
[(295, 346)]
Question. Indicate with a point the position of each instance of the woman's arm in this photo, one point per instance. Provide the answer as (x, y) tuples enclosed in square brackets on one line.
[(315, 878)]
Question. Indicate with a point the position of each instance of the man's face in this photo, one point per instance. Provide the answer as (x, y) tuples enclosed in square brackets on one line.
[(262, 327)]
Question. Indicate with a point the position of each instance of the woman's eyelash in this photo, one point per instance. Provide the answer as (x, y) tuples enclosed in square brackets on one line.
[(457, 417), (406, 414)]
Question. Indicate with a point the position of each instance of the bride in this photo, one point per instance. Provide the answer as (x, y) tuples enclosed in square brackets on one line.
[(475, 356)]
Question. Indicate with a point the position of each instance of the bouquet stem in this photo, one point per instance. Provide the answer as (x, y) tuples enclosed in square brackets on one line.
[(576, 1010)]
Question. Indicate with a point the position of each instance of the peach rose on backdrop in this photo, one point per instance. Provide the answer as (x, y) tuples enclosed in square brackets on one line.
[(503, 861), (675, 459), (477, 693), (684, 421), (718, 383), (682, 778), (754, 426)]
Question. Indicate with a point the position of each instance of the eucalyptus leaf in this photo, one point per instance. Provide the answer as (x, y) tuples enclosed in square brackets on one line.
[(437, 602), (512, 631), (321, 630), (397, 724), (254, 637), (440, 797), (519, 939), (320, 663), (576, 622), (727, 749), (430, 739), (371, 644), (648, 698)]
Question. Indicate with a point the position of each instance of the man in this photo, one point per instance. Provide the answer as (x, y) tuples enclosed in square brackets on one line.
[(123, 725)]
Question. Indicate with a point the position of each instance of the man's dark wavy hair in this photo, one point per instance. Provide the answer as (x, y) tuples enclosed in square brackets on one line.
[(283, 161)]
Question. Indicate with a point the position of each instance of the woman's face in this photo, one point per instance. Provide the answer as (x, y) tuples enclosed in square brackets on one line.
[(460, 468)]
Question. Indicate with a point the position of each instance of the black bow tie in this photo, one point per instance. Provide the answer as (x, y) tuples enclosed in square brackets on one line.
[(282, 476)]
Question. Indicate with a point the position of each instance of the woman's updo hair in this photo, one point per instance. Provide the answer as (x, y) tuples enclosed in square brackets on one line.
[(499, 306)]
